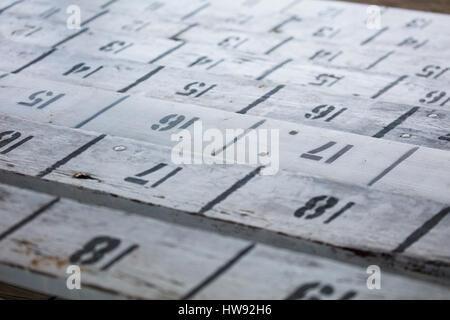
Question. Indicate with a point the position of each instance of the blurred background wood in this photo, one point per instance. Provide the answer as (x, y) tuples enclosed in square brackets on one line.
[(9, 292)]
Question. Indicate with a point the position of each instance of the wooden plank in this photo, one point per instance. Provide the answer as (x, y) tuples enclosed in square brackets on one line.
[(420, 173), (285, 204), (305, 282), (392, 88), (169, 261), (356, 169), (412, 124), (398, 89)]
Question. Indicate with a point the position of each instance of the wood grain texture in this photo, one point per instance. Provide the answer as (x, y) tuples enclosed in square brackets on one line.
[(357, 172), (173, 262), (268, 203)]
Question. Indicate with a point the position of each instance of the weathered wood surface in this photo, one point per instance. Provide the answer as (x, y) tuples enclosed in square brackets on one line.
[(310, 69), (166, 261), (405, 123), (269, 203), (408, 88)]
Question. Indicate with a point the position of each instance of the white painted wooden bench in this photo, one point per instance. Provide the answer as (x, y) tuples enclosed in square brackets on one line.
[(86, 150)]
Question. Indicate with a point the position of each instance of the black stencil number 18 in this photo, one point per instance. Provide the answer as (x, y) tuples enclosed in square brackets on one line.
[(319, 205), (95, 250)]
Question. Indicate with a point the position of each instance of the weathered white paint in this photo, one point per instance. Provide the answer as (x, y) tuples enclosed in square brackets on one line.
[(171, 260), (378, 222), (398, 218)]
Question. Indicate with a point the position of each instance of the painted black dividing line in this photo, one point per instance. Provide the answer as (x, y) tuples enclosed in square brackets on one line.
[(278, 45), (84, 122), (168, 52), (151, 170), (219, 271), (389, 86), (108, 4), (290, 5), (94, 17), (256, 125), (395, 123), (4, 75), (230, 190), (70, 156), (421, 231), (18, 144), (120, 257), (42, 56), (261, 99), (94, 71), (70, 37), (339, 153), (10, 6), (392, 166), (278, 66), (374, 36), (189, 27), (28, 219), (337, 214), (142, 79), (380, 59), (335, 115), (282, 24), (47, 14), (206, 5)]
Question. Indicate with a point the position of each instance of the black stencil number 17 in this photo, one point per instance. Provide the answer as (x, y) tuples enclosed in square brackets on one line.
[(137, 178), (312, 154)]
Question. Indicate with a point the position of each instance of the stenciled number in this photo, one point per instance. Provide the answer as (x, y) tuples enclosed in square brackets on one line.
[(82, 68), (319, 208), (171, 121), (312, 154), (94, 250), (137, 178), (326, 79), (193, 89), (321, 291), (41, 96), (434, 97), (323, 111)]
